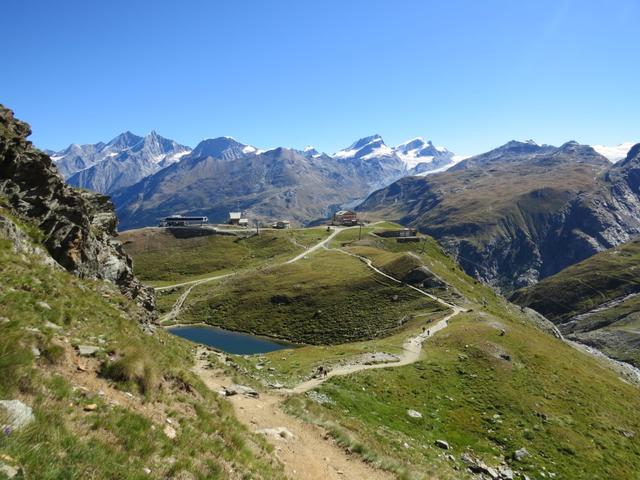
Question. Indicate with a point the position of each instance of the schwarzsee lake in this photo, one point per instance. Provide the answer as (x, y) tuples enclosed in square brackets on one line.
[(231, 342)]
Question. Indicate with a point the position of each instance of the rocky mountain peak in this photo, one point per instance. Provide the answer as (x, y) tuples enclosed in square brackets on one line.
[(373, 139), (224, 148), (126, 140), (632, 156), (516, 146)]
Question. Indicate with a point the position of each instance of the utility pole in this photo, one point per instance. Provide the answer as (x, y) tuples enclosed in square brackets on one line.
[(424, 244), (360, 233), (257, 227)]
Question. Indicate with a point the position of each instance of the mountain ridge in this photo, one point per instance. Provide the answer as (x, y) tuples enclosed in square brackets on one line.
[(505, 213), (127, 158)]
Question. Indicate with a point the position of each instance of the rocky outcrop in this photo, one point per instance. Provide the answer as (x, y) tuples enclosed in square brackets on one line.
[(22, 243), (423, 277), (78, 227)]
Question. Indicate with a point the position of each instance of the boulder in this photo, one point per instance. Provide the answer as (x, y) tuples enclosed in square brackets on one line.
[(414, 414), (17, 413), (506, 473), (476, 465), (442, 444), (170, 432), (280, 433), (520, 454), (88, 350), (240, 390), (9, 471)]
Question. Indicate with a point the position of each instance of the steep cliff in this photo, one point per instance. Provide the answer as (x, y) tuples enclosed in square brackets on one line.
[(78, 226)]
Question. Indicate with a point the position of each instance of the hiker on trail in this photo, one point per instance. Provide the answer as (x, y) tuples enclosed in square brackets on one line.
[(423, 329), (428, 333)]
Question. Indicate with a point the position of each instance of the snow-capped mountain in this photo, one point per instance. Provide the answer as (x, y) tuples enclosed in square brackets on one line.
[(106, 167), (366, 149), (614, 153), (223, 148), (423, 157), (416, 156), (78, 157)]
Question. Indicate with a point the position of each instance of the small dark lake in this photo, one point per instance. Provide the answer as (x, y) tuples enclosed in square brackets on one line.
[(230, 342)]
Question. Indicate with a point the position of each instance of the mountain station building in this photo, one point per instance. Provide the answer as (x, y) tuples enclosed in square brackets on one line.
[(238, 218), (345, 217), (181, 221)]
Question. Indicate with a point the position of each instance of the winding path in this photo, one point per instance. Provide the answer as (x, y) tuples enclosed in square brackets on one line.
[(304, 448), (411, 350)]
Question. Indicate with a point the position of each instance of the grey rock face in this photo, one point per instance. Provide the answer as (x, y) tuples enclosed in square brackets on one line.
[(22, 243), (78, 227)]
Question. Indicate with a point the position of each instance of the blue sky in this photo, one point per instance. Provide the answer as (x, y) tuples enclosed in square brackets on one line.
[(470, 75)]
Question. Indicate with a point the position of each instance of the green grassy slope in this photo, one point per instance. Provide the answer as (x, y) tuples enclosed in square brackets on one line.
[(483, 392), (568, 412), (161, 257), (595, 301), (327, 298), (85, 424)]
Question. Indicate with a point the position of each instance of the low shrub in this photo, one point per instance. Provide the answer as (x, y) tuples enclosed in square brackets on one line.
[(134, 367)]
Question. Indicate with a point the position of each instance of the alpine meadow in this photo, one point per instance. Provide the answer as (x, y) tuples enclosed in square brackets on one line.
[(363, 240)]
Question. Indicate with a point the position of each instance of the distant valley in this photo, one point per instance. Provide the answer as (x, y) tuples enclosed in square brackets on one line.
[(595, 302)]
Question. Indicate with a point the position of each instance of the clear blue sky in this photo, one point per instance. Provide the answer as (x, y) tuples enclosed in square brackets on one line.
[(470, 75)]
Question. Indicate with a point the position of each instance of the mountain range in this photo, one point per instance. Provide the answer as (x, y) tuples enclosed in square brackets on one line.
[(523, 211), (503, 213), (107, 167), (151, 177)]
